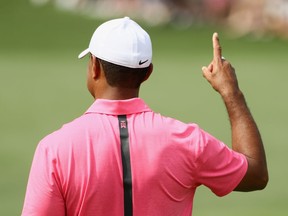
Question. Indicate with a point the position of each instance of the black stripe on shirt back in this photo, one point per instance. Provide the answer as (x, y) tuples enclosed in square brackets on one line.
[(125, 153)]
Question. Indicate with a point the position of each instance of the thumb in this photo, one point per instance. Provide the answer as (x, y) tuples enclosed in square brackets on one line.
[(206, 72)]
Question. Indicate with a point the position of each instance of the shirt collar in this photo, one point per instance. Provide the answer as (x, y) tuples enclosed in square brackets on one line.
[(118, 107)]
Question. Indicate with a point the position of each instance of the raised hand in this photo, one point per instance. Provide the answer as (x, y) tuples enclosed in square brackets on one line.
[(220, 73)]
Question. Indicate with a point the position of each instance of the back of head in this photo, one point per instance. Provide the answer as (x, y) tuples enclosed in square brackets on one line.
[(124, 50), (123, 77)]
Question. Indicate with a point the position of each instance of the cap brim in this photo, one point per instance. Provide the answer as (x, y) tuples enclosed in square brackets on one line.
[(83, 53)]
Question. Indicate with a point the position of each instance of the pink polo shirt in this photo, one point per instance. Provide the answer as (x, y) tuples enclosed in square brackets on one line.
[(77, 170)]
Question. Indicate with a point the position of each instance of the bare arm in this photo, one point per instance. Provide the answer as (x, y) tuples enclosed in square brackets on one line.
[(246, 138)]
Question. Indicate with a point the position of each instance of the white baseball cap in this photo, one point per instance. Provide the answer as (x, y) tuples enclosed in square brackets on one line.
[(121, 41)]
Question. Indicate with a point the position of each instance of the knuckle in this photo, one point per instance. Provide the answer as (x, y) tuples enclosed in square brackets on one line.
[(217, 46)]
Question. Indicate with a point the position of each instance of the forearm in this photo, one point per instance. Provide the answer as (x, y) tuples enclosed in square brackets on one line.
[(246, 140)]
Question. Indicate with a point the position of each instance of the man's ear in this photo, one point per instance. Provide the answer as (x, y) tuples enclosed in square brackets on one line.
[(96, 67), (149, 72)]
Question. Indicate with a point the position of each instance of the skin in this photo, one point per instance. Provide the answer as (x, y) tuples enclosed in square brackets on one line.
[(246, 138), (100, 89)]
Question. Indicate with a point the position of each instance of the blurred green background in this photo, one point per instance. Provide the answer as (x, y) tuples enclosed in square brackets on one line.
[(43, 86)]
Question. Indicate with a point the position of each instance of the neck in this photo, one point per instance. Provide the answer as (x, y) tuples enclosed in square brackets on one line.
[(114, 93)]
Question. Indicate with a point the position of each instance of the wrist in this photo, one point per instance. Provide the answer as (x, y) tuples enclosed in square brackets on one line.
[(232, 95), (234, 101), (236, 105)]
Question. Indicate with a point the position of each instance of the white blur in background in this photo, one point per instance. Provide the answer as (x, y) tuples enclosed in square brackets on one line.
[(241, 17)]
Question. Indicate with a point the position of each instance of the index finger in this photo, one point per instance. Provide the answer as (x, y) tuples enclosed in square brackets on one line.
[(217, 52)]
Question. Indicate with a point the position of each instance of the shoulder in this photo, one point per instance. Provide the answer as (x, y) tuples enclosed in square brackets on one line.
[(169, 122), (179, 128), (198, 141), (67, 133), (188, 135)]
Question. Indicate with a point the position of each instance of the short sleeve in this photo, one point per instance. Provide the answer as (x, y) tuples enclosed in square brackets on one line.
[(218, 167), (43, 196)]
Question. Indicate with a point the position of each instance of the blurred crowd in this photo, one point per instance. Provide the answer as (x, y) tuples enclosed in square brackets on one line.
[(242, 17)]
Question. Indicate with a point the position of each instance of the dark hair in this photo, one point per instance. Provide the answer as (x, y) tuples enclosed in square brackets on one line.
[(124, 77)]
